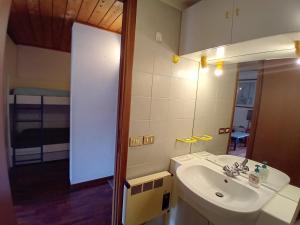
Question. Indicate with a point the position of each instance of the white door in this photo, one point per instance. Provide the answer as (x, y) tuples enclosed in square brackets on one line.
[(262, 18), (205, 25), (95, 59)]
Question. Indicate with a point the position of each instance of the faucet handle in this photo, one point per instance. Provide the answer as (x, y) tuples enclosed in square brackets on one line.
[(226, 168), (244, 163), (237, 165)]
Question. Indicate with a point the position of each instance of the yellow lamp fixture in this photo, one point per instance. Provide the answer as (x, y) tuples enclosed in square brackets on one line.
[(219, 68), (204, 65), (297, 48), (175, 59)]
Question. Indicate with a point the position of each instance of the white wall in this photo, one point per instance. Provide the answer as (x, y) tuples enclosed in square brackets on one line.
[(10, 59), (44, 68), (27, 66), (94, 91), (163, 93), (215, 99)]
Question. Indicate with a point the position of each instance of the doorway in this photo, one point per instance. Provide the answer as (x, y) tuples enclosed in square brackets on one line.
[(58, 176), (248, 83)]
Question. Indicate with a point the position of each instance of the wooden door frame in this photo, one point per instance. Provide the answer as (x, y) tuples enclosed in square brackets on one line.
[(7, 215), (256, 108), (125, 81)]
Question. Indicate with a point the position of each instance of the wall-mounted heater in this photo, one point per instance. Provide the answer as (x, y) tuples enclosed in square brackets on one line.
[(146, 198)]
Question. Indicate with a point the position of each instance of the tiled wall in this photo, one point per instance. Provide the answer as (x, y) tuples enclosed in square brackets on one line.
[(215, 98), (163, 93)]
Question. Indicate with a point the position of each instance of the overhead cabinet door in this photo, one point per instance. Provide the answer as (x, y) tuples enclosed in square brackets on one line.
[(205, 25), (262, 18)]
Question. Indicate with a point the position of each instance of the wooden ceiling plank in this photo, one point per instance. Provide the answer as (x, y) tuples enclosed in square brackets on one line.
[(100, 11), (14, 33), (116, 26), (48, 23), (46, 19), (72, 11), (87, 8), (114, 12), (33, 7), (23, 21), (58, 18)]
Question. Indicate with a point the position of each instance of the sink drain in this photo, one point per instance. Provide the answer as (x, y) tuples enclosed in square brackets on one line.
[(219, 194)]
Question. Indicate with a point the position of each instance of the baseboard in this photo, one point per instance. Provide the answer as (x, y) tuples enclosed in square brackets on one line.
[(91, 183)]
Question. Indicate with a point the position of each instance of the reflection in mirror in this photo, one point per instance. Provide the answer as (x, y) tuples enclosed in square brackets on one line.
[(259, 102)]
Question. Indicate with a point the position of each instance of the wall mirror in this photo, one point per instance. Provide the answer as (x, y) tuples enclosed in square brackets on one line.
[(259, 102)]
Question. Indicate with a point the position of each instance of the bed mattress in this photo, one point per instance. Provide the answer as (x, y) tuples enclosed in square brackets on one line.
[(32, 137)]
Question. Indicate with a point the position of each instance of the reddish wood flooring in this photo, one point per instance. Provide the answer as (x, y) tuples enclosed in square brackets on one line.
[(42, 197)]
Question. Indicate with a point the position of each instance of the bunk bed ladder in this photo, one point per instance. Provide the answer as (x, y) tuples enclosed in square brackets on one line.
[(15, 133)]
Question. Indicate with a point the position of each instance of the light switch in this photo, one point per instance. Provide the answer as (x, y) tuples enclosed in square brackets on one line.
[(227, 130), (148, 140), (135, 141), (222, 131)]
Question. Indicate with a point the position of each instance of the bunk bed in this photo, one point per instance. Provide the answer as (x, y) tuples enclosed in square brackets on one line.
[(39, 125)]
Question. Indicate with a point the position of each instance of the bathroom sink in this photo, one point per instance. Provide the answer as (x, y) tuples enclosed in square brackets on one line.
[(221, 199), (276, 179)]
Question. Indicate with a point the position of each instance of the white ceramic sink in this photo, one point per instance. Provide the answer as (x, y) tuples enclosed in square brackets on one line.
[(221, 199), (276, 179)]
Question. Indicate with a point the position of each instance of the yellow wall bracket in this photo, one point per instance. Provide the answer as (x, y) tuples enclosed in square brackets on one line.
[(203, 138), (195, 139), (186, 140)]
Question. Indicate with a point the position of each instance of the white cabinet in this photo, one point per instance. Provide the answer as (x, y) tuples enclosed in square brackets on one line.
[(262, 18), (205, 25), (212, 23)]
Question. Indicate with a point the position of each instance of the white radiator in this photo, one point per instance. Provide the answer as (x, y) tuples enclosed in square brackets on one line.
[(146, 198)]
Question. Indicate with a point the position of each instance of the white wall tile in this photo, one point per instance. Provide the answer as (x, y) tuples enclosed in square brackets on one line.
[(186, 68), (161, 86), (141, 84), (163, 64), (177, 110), (144, 53), (189, 109), (190, 89), (160, 129), (159, 109), (139, 127), (167, 110), (140, 108), (177, 90)]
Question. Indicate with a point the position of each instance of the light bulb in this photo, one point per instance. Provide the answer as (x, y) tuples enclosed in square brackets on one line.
[(218, 72), (298, 61)]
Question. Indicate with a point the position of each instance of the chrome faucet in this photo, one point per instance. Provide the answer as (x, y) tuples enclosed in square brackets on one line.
[(231, 171), (242, 167), (236, 169)]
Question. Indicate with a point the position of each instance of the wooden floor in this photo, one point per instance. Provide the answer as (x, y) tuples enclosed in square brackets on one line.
[(42, 196)]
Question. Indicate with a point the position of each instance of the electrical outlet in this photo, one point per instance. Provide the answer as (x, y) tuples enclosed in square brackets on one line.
[(135, 141), (227, 130), (148, 140), (222, 131)]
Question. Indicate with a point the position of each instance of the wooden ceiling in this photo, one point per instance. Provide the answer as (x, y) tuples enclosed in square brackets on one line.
[(48, 23)]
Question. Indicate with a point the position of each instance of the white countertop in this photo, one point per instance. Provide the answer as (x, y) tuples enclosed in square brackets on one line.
[(280, 210)]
